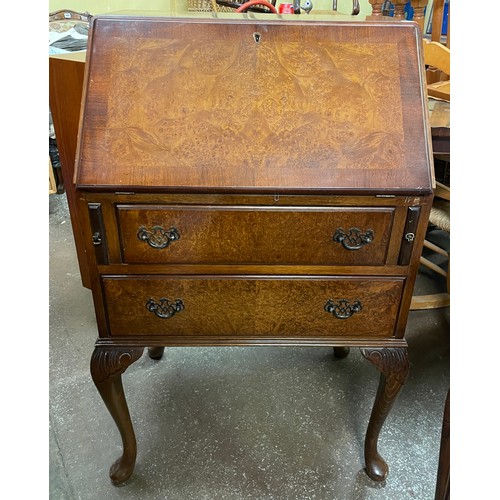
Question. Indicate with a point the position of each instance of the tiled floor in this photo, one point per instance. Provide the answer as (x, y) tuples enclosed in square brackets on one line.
[(237, 423)]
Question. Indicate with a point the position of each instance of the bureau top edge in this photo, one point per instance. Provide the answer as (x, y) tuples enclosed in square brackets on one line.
[(238, 190)]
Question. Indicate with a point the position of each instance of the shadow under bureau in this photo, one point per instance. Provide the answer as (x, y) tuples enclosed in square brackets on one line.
[(252, 182)]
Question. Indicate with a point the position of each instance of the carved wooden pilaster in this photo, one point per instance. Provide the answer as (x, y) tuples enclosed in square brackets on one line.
[(393, 365), (106, 367)]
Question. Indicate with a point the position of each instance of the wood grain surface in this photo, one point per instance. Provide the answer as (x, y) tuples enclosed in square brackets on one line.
[(202, 106), (284, 235), (249, 306)]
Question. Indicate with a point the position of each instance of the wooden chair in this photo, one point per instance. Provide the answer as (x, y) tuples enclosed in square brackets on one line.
[(437, 57), (439, 218), (437, 61), (384, 7), (67, 14), (52, 179)]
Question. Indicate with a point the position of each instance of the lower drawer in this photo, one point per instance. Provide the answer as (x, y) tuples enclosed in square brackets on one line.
[(252, 306)]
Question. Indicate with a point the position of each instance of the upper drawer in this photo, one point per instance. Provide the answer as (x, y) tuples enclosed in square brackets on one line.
[(254, 235)]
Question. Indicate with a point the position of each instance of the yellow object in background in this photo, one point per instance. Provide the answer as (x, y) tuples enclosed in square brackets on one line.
[(178, 6)]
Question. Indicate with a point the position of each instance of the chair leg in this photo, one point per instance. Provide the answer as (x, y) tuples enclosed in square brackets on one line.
[(435, 248), (434, 267), (432, 301), (443, 474), (436, 300)]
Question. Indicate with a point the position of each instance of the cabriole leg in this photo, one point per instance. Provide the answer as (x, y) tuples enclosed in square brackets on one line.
[(106, 366), (393, 365)]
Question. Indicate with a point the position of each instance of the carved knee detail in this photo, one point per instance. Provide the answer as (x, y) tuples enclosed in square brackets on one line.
[(107, 362), (393, 365), (392, 362)]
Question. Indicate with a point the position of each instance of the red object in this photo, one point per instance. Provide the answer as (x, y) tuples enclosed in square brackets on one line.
[(264, 3), (285, 8)]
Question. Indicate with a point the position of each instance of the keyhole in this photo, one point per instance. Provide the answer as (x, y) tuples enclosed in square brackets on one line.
[(256, 37)]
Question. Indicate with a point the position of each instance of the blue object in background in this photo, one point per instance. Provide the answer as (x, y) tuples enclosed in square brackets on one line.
[(445, 18), (409, 14), (408, 11), (444, 29)]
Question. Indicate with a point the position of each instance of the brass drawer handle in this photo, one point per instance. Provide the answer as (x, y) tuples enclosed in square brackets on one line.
[(158, 237), (164, 308), (353, 238), (341, 308)]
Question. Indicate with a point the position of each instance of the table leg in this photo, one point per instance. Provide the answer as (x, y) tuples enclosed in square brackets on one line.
[(155, 352), (393, 366), (341, 352), (106, 367)]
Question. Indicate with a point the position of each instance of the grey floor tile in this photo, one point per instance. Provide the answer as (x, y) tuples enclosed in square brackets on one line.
[(237, 422)]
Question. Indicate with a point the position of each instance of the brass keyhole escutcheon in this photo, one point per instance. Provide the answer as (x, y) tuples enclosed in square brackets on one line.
[(257, 36)]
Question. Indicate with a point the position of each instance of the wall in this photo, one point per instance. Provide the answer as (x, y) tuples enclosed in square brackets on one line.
[(103, 6)]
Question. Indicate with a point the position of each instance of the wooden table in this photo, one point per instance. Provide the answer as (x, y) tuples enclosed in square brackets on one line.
[(249, 183), (65, 96)]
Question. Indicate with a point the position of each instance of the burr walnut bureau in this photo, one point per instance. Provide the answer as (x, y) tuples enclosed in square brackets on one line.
[(252, 182)]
